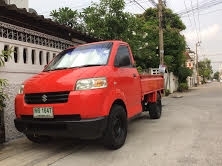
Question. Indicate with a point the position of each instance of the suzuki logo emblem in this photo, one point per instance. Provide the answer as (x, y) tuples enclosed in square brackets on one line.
[(44, 98)]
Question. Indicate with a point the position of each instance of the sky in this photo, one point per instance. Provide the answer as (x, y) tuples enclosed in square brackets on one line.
[(203, 27)]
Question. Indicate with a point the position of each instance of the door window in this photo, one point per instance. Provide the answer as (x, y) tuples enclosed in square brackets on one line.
[(123, 57)]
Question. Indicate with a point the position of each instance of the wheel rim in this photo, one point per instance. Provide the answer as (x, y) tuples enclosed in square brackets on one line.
[(118, 128)]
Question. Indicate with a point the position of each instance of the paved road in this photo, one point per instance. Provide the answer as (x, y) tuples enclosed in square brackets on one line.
[(189, 133)]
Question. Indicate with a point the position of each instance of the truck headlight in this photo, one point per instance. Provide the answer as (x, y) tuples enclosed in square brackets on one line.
[(91, 83), (21, 89)]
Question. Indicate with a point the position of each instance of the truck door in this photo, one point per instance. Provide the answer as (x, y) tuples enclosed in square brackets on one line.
[(128, 80)]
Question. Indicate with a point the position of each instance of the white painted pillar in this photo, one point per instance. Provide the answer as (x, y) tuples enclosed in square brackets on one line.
[(37, 57), (1, 47), (20, 55), (29, 55), (43, 58)]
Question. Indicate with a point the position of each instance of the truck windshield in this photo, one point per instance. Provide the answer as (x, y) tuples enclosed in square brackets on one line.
[(82, 56)]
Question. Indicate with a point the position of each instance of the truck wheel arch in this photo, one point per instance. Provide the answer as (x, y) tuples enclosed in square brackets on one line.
[(114, 97), (121, 103)]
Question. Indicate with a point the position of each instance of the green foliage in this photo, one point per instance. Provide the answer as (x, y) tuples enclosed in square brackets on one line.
[(182, 87), (174, 45), (174, 42), (3, 96), (107, 20), (172, 20), (205, 69), (5, 54), (167, 92), (68, 17), (139, 69), (183, 73), (216, 75)]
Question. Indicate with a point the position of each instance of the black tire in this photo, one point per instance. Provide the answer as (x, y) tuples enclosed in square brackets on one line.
[(38, 138), (155, 109), (116, 132)]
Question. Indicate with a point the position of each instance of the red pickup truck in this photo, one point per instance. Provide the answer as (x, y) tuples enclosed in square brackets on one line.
[(88, 92)]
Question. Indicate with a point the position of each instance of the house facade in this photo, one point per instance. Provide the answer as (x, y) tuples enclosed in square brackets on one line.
[(35, 41), (190, 63)]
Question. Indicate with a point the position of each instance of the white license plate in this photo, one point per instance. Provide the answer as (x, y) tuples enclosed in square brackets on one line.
[(43, 112)]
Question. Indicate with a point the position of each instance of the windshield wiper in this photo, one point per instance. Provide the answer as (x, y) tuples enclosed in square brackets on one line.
[(60, 68), (89, 65)]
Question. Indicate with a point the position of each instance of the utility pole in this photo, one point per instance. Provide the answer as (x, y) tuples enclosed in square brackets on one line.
[(161, 48), (197, 67)]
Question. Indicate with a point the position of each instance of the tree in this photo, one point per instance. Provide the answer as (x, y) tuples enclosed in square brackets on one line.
[(108, 21), (174, 42), (105, 20), (183, 73), (205, 69), (68, 17)]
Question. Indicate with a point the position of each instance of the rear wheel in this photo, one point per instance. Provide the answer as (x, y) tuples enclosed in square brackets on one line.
[(38, 138), (155, 109), (115, 134)]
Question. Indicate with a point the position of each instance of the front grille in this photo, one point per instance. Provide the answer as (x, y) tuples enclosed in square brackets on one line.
[(47, 98)]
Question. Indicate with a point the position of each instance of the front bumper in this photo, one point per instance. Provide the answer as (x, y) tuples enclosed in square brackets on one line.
[(86, 129)]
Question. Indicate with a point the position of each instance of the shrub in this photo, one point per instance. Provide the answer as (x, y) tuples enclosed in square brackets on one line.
[(167, 92), (139, 69), (3, 96), (3, 82), (183, 87), (183, 73)]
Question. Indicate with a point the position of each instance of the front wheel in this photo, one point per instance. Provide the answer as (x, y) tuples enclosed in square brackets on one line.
[(115, 134), (38, 138)]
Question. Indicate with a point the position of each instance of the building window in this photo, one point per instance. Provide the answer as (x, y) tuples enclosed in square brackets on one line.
[(54, 55), (33, 56), (40, 57), (25, 55), (6, 47), (16, 54), (47, 57)]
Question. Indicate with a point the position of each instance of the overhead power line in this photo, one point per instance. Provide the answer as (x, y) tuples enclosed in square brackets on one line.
[(195, 23), (153, 2), (139, 5), (198, 18), (201, 6)]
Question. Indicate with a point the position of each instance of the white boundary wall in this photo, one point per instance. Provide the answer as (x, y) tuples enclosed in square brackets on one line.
[(170, 82), (16, 71)]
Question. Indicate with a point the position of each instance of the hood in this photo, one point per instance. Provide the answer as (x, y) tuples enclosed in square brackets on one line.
[(58, 80)]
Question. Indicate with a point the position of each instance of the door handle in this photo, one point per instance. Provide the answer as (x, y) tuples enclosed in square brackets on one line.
[(134, 75)]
